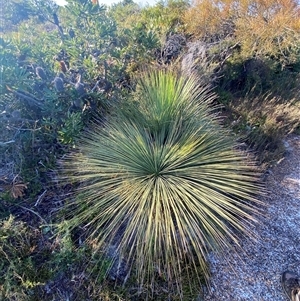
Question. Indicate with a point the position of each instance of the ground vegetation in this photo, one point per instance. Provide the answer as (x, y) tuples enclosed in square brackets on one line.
[(78, 80)]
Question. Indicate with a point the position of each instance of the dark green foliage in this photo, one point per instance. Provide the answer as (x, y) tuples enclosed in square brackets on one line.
[(21, 271), (57, 73), (36, 266)]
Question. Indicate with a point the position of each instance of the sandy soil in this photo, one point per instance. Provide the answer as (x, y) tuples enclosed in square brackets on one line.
[(255, 274)]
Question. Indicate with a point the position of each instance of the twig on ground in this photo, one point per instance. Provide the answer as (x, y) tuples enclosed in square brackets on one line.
[(7, 142), (40, 198), (30, 210)]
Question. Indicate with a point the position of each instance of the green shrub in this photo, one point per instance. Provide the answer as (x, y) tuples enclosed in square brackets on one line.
[(35, 266), (60, 66), (22, 273), (162, 181)]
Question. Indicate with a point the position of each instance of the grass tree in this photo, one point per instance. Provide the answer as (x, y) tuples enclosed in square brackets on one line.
[(164, 181)]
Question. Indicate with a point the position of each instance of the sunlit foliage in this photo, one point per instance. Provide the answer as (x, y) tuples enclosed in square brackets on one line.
[(164, 183), (260, 27)]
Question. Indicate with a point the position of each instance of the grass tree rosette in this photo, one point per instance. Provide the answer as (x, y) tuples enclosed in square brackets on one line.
[(167, 187)]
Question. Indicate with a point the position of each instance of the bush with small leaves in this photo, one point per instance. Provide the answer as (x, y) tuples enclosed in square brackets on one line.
[(56, 90)]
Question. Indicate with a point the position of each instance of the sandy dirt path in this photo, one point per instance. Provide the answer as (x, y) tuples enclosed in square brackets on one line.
[(255, 275)]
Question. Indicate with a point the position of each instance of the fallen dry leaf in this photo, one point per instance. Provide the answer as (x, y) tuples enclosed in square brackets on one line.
[(17, 190)]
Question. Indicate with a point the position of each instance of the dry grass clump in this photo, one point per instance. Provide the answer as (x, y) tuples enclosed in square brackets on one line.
[(261, 28), (264, 121)]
